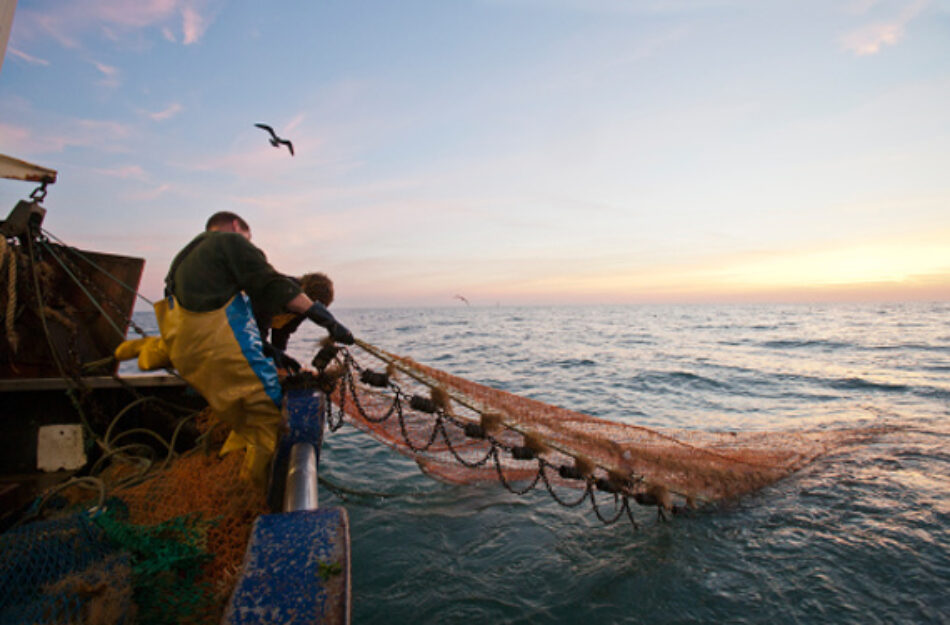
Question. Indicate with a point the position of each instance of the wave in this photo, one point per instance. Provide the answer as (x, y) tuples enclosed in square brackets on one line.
[(568, 363), (807, 344), (649, 380), (848, 384), (415, 327), (919, 347)]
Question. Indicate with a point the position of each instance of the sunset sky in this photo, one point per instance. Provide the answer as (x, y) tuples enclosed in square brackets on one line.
[(514, 152)]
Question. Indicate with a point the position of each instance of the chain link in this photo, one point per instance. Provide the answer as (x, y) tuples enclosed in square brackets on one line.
[(348, 388)]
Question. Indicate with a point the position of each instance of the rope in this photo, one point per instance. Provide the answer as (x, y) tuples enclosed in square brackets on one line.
[(94, 264), (83, 288), (106, 443), (6, 251)]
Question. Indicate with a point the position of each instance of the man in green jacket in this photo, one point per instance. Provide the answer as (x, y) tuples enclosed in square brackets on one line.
[(207, 321)]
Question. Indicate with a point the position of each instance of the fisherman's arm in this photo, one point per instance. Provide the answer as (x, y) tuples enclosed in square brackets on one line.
[(318, 313)]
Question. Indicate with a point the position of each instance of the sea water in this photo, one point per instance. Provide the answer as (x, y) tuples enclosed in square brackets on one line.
[(859, 536)]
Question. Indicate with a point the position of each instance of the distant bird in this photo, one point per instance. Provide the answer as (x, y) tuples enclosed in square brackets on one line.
[(275, 140), (463, 299)]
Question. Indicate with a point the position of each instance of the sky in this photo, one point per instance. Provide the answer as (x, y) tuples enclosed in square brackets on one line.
[(514, 152)]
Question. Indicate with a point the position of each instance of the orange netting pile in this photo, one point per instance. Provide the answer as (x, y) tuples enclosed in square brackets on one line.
[(206, 486), (201, 491), (478, 433)]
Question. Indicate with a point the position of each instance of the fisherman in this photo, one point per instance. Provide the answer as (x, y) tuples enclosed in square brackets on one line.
[(207, 323), (276, 329)]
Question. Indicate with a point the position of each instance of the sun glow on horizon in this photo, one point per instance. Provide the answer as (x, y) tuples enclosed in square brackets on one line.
[(886, 270)]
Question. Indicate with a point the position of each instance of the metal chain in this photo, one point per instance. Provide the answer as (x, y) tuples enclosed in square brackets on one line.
[(621, 502), (547, 484), (463, 461), (506, 484)]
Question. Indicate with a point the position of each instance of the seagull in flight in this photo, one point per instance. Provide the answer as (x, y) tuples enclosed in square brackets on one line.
[(275, 140)]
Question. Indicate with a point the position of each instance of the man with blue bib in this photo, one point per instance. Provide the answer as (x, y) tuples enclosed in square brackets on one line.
[(207, 322)]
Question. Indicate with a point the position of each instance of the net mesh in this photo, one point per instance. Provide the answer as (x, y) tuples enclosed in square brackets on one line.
[(478, 433), (165, 548), (63, 571)]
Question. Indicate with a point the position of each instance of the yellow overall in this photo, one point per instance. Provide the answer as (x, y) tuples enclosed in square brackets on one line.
[(219, 354)]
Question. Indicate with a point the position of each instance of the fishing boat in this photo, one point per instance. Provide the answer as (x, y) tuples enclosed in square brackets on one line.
[(90, 458)]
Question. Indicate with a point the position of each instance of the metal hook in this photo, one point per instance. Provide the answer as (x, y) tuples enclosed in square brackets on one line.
[(39, 193)]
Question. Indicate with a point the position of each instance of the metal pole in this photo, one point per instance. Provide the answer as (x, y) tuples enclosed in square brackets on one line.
[(300, 491)]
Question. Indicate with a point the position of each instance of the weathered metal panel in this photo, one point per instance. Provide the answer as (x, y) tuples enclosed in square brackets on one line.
[(74, 325), (15, 169)]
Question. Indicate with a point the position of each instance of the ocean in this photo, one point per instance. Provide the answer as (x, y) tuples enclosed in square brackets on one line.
[(859, 536)]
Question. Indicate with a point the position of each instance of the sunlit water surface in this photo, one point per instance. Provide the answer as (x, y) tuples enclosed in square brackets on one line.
[(861, 536)]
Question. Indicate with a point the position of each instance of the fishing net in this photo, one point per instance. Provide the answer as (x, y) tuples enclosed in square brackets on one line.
[(164, 547), (63, 571), (166, 544), (463, 432)]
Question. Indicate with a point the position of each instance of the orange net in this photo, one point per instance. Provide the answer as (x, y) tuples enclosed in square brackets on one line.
[(205, 485), (464, 432), (202, 490)]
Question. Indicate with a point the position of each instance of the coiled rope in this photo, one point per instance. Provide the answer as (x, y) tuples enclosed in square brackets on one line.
[(8, 256)]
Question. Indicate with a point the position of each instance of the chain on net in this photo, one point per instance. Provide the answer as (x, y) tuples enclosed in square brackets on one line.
[(449, 433)]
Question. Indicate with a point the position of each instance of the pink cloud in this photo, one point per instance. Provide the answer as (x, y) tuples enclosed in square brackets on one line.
[(110, 74), (28, 58), (193, 25), (872, 38), (167, 113), (55, 137), (69, 20), (127, 171)]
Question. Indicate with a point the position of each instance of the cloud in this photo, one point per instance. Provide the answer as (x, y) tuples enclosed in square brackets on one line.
[(149, 194), (28, 58), (110, 73), (193, 25), (127, 171), (173, 109), (58, 135), (872, 38), (67, 21)]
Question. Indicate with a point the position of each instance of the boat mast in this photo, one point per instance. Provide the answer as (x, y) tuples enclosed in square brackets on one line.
[(7, 7)]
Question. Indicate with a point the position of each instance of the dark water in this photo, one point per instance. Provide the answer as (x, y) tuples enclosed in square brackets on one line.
[(862, 536)]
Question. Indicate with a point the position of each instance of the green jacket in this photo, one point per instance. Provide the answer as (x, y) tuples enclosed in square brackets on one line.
[(216, 266)]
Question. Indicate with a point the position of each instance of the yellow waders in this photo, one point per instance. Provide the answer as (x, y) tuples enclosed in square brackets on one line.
[(219, 354)]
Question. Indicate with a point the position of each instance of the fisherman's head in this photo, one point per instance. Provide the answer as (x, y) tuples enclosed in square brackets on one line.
[(226, 221), (318, 287)]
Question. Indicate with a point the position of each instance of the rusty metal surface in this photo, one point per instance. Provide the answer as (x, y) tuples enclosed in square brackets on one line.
[(15, 169), (78, 331)]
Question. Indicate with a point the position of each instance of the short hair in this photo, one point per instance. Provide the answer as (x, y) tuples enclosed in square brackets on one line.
[(317, 287), (224, 218)]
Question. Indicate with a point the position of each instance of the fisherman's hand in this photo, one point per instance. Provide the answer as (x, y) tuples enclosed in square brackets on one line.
[(319, 314), (281, 360), (340, 334), (289, 363)]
